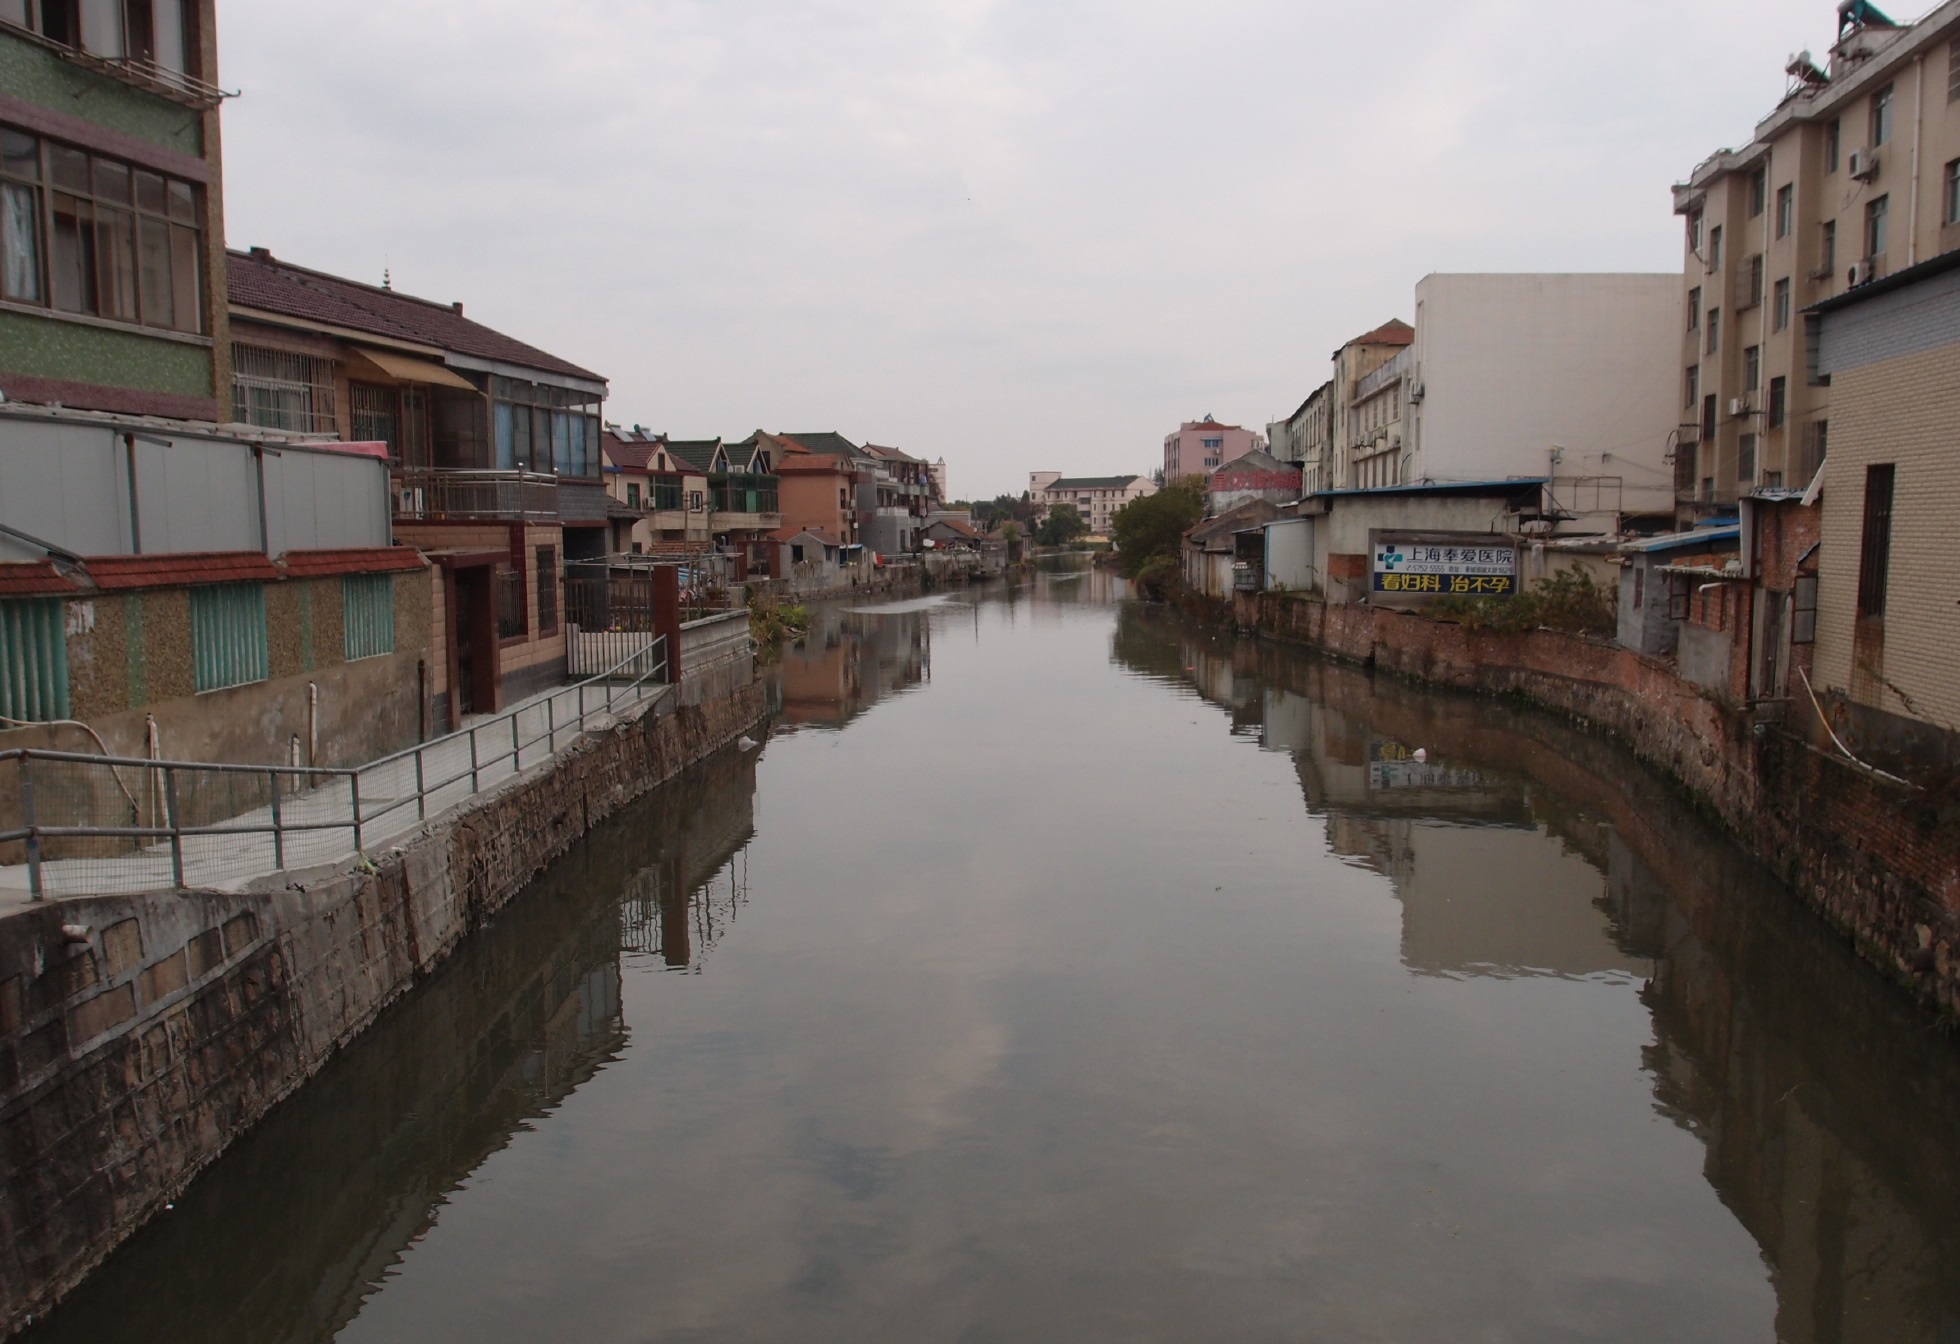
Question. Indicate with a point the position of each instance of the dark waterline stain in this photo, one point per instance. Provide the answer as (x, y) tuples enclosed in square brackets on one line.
[(1001, 1000)]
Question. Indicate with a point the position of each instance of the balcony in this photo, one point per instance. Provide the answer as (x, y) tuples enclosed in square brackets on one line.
[(440, 495), (743, 503)]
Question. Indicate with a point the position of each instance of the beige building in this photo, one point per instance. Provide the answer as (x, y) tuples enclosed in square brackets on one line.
[(1096, 498), (1353, 364), (1303, 438), (1886, 622), (1854, 176)]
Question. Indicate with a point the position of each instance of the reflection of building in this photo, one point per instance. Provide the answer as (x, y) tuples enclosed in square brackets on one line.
[(848, 662)]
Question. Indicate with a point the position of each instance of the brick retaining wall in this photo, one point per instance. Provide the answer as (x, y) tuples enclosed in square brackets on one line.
[(1880, 861), (140, 1036)]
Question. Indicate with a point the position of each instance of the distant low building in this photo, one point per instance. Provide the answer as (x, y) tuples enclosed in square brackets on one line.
[(1095, 498), (1200, 447)]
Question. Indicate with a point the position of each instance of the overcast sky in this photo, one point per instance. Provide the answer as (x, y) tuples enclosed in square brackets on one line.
[(1017, 233)]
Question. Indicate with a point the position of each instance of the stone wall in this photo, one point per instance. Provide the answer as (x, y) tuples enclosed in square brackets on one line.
[(1879, 859), (140, 1036)]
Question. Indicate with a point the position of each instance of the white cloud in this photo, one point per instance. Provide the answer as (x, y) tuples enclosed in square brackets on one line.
[(1015, 233)]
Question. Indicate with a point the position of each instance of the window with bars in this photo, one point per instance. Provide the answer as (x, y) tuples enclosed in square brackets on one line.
[(372, 410), (1875, 552), (367, 604), (159, 36), (276, 389), (228, 635), (1780, 304), (1786, 209), (511, 622), (84, 234), (33, 660), (1803, 610), (547, 575), (1779, 402)]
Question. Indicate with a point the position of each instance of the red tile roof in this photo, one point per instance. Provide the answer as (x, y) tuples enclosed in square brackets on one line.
[(631, 455), (956, 525), (1393, 332), (376, 560), (37, 578), (120, 573), (258, 280)]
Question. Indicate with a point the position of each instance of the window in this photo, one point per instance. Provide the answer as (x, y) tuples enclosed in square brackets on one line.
[(373, 412), (1803, 610), (156, 34), (1780, 305), (1953, 72), (1881, 116), (1833, 144), (1694, 308), (1817, 439), (1708, 420), (547, 571), (1696, 222), (1753, 282), (1786, 209), (1714, 330), (367, 604), (85, 234), (633, 494), (1779, 396), (1715, 248), (1951, 196), (1875, 554), (277, 390), (544, 428), (1827, 249), (511, 619), (34, 655), (1875, 227), (1752, 368), (1758, 188), (1693, 385), (796, 554), (1745, 459), (228, 635)]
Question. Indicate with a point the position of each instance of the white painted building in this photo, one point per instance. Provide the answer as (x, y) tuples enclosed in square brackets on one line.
[(1567, 376)]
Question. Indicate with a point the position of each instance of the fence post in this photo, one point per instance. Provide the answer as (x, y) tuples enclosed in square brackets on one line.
[(421, 789), (354, 796), (474, 786), (33, 830), (278, 823), (176, 826), (551, 722), (516, 745)]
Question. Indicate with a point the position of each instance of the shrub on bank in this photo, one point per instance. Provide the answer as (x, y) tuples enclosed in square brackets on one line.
[(1568, 600), (772, 622)]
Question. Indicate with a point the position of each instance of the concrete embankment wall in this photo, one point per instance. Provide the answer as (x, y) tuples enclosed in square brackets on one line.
[(1880, 861), (141, 1035)]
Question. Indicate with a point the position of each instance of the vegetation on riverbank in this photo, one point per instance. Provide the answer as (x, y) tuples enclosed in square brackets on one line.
[(1568, 600), (773, 623), (1148, 533)]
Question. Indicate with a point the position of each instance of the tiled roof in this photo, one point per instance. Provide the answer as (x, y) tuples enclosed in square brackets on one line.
[(956, 525), (633, 455), (1393, 332), (697, 453), (118, 573), (37, 578), (257, 279), (828, 441), (371, 560), (1256, 461), (1250, 513)]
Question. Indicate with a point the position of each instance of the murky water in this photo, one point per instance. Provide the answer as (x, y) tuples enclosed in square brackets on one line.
[(1063, 972)]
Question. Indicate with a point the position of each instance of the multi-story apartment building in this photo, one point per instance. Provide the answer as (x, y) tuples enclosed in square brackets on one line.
[(1095, 498), (1854, 175), (1201, 447), (112, 263), (1353, 362), (1303, 438)]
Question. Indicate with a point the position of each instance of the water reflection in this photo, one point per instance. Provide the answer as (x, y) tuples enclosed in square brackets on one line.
[(1829, 1111), (283, 1240), (849, 660)]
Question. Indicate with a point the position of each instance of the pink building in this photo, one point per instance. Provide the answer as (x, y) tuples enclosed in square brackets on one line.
[(1200, 447)]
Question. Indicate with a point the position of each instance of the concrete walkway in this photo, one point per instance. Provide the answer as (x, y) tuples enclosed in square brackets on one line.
[(316, 823)]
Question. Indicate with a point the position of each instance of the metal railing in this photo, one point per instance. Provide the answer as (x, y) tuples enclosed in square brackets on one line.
[(442, 493), (96, 825)]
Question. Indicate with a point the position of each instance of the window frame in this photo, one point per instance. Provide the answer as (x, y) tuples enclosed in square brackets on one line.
[(1714, 331), (1777, 407), (1881, 116), (1952, 192), (228, 636), (1786, 209), (1780, 305), (367, 623), (1878, 226)]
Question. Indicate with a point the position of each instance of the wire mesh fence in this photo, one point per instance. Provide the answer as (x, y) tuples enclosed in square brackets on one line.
[(94, 825)]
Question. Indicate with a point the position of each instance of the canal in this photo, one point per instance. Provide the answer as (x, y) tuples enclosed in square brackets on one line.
[(1060, 970)]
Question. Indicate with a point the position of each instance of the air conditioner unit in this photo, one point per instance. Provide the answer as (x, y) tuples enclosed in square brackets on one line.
[(1862, 164), (1859, 274), (1738, 406)]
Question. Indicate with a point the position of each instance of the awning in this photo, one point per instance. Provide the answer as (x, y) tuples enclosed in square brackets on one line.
[(409, 369)]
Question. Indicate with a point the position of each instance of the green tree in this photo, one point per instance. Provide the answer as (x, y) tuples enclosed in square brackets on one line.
[(1152, 528), (1062, 525)]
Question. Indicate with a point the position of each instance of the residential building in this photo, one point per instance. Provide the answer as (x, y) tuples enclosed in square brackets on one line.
[(1376, 452), (1854, 175), (1562, 376), (818, 491), (1653, 594), (1256, 475), (812, 559), (893, 490), (939, 480), (1886, 622), (1200, 447), (494, 445), (1305, 439), (659, 505), (112, 265), (1095, 498), (1353, 362)]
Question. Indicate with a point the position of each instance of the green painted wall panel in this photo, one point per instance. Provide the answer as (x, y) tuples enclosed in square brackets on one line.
[(39, 76), (47, 347)]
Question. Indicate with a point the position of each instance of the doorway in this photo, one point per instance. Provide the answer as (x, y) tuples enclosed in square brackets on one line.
[(473, 634)]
